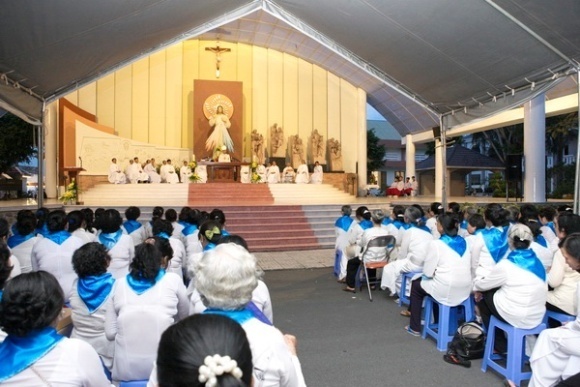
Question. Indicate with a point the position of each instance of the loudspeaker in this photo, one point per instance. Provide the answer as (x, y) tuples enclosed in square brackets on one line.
[(513, 168), (437, 132)]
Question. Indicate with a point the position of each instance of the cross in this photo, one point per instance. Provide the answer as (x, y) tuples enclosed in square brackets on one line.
[(217, 50)]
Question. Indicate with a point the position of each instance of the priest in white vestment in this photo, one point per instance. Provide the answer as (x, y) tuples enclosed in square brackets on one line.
[(151, 170), (273, 173), (302, 174), (317, 173), (262, 172), (185, 172), (224, 157), (168, 170), (115, 174), (288, 174)]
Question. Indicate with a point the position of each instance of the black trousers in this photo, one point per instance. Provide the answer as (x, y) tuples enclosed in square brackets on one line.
[(416, 306), (551, 322), (486, 310), (352, 266), (572, 381)]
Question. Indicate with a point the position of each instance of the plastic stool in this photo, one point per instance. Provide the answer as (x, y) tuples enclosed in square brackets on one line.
[(516, 350), (561, 317), (134, 383), (403, 299), (444, 330)]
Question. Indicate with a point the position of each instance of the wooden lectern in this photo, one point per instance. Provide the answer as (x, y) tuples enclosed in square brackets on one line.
[(73, 173)]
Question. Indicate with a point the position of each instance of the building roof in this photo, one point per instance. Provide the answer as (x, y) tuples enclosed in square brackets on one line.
[(459, 157)]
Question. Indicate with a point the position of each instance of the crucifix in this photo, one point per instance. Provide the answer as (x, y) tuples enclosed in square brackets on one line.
[(217, 50)]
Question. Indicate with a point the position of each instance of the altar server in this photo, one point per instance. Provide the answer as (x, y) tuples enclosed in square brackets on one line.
[(115, 174)]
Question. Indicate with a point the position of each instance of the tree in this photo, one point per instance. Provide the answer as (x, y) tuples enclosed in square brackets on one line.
[(560, 131), (16, 141), (375, 152)]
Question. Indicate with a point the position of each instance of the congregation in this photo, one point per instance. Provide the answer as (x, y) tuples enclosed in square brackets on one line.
[(134, 290), (519, 265)]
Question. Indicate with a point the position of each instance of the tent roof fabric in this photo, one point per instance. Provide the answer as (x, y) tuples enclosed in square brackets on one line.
[(459, 157), (418, 60)]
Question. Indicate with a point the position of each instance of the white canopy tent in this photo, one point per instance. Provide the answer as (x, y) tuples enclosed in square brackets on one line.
[(422, 62)]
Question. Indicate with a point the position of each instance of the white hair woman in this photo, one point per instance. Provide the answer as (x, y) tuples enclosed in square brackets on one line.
[(225, 278)]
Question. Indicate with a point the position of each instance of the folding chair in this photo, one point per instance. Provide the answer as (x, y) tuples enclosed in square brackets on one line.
[(387, 242)]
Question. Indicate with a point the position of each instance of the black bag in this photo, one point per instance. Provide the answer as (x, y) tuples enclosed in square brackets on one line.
[(468, 341)]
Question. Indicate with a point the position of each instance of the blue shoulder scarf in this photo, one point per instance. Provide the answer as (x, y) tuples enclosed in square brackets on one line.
[(19, 353), (18, 239), (527, 260), (387, 220), (343, 222), (456, 243), (162, 235), (42, 230), (132, 225), (399, 223), (541, 240), (225, 232), (496, 242), (189, 229), (209, 246), (365, 224), (95, 289), (239, 316), (110, 240), (463, 224), (552, 227), (141, 285), (258, 313), (58, 237), (422, 227)]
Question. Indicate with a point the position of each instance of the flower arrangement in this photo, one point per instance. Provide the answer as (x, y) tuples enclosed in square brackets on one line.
[(194, 177), (255, 177), (193, 165), (71, 193)]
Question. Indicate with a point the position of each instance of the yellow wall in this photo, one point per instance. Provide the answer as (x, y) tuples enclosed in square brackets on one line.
[(151, 100)]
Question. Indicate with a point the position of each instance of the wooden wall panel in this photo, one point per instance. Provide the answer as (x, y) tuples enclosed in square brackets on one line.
[(123, 101), (320, 101), (305, 102), (173, 82), (333, 112), (190, 72), (140, 100), (260, 91), (88, 98), (290, 124), (106, 100), (245, 75), (157, 98), (348, 124), (275, 89)]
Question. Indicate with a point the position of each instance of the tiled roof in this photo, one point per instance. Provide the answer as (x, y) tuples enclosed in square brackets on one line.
[(459, 157)]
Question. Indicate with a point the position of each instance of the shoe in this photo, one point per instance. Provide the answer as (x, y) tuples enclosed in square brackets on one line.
[(349, 289), (373, 287), (405, 313), (396, 300), (341, 281), (454, 359), (412, 332)]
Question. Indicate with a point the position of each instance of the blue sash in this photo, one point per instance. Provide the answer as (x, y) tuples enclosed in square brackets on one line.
[(162, 235), (527, 260), (189, 229), (258, 313), (110, 240), (141, 285), (58, 237), (209, 246), (496, 242), (42, 230), (423, 227), (387, 220), (552, 227), (19, 353), (541, 240), (464, 224), (366, 224), (224, 232), (456, 243), (183, 223), (94, 290), (131, 225), (343, 222), (398, 223), (239, 316), (18, 239)]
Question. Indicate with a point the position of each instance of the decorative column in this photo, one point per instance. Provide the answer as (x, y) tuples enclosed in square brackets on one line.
[(535, 150), (439, 170), (50, 152), (362, 139), (409, 156)]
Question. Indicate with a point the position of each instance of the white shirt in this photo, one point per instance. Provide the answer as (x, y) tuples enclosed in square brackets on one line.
[(57, 260), (273, 174), (521, 297), (121, 256), (16, 269), (414, 246), (224, 158), (23, 252), (449, 274), (138, 236), (373, 254), (543, 253), (90, 327), (136, 323), (481, 260), (179, 258), (84, 235), (564, 280), (431, 224), (70, 363)]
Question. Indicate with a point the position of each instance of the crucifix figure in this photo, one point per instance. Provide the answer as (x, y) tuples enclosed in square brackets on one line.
[(217, 50)]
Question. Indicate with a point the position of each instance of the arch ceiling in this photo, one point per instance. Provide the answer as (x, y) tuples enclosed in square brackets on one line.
[(418, 60)]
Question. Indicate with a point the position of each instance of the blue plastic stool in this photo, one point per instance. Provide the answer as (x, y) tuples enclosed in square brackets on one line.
[(516, 350), (561, 317), (444, 330), (134, 383), (405, 277)]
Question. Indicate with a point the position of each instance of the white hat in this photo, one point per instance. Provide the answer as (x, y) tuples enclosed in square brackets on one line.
[(224, 147)]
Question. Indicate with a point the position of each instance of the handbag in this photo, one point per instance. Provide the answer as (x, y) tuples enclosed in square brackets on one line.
[(468, 341)]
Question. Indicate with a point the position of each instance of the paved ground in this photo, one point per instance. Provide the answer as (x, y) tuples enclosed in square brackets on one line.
[(305, 259)]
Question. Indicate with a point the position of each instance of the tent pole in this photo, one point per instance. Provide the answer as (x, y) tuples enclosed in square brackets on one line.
[(40, 153), (443, 162), (577, 179)]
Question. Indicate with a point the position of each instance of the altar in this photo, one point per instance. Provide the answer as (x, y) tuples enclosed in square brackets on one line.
[(223, 172)]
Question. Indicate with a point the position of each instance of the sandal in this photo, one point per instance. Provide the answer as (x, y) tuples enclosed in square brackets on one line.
[(349, 289), (454, 359), (405, 313), (412, 332)]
